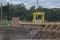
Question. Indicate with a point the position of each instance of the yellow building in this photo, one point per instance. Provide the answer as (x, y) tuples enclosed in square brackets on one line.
[(38, 14)]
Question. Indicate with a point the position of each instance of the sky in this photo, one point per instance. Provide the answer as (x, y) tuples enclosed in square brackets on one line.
[(29, 3)]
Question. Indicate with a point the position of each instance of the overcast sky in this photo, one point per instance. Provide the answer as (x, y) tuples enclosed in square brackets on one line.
[(29, 3)]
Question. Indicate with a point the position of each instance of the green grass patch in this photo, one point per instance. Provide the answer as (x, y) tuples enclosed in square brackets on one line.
[(5, 24)]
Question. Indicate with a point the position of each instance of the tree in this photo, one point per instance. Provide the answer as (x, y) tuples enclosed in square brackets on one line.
[(23, 13)]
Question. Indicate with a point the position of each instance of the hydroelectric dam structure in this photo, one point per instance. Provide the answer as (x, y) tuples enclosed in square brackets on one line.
[(34, 30)]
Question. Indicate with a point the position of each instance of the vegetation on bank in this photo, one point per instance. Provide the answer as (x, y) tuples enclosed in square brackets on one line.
[(23, 13)]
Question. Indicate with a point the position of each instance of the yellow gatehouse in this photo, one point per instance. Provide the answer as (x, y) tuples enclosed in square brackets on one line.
[(38, 14)]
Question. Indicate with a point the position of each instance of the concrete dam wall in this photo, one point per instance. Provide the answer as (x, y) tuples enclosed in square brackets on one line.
[(30, 31)]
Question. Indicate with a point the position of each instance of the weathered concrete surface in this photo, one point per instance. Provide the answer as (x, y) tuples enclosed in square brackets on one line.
[(26, 31), (16, 33), (23, 33), (2, 36)]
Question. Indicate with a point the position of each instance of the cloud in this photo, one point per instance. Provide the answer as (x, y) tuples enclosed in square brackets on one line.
[(53, 3), (29, 3), (3, 1)]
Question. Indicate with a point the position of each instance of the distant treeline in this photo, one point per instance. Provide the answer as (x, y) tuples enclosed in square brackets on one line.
[(21, 11)]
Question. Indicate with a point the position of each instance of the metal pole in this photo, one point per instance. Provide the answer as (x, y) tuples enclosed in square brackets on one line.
[(1, 13), (37, 5), (8, 11), (37, 8)]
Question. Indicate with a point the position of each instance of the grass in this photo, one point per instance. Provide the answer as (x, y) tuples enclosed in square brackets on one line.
[(5, 24), (9, 23)]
